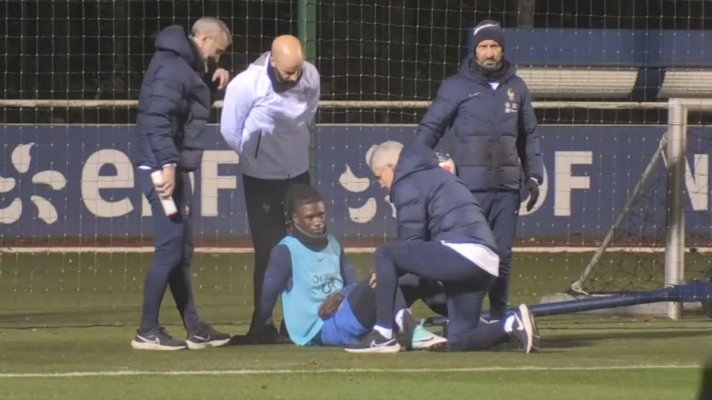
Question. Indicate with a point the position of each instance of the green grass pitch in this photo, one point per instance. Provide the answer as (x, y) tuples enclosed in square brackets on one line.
[(66, 321)]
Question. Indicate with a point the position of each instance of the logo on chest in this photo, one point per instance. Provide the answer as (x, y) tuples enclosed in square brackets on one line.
[(326, 283), (303, 95), (511, 106)]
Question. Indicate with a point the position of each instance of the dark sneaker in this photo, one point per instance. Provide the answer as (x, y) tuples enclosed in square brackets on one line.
[(270, 335), (524, 329), (208, 337), (156, 339), (374, 342)]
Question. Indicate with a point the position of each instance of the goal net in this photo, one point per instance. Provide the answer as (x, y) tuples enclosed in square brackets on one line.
[(660, 235), (76, 233)]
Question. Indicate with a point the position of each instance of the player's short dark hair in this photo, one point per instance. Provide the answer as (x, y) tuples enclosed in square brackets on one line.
[(297, 196)]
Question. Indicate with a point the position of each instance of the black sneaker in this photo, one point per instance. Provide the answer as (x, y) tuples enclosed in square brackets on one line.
[(374, 342), (524, 329), (270, 335), (156, 339), (207, 337)]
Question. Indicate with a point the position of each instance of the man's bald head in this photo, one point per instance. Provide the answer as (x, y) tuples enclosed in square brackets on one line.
[(287, 58)]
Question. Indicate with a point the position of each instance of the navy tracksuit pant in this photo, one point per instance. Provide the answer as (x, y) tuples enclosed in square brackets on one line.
[(173, 253), (464, 283), (501, 209)]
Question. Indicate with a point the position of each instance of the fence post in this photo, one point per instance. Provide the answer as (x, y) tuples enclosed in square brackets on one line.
[(306, 28), (675, 232)]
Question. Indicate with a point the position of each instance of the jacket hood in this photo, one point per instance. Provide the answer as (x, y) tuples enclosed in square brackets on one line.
[(175, 40), (473, 74), (413, 158)]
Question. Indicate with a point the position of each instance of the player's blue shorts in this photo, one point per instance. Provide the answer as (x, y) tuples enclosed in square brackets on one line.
[(341, 329)]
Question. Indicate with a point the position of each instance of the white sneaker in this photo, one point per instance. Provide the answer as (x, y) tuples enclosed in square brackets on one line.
[(423, 339), (524, 329)]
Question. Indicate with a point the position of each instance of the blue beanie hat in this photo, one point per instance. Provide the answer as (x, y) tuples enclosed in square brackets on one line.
[(488, 30)]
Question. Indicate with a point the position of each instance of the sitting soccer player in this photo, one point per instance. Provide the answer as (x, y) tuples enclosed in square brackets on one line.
[(442, 236), (322, 300)]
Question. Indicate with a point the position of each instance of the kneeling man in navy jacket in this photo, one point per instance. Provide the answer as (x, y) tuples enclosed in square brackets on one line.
[(443, 236)]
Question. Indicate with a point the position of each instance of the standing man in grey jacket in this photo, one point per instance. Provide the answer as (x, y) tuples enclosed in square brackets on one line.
[(496, 144), (266, 118)]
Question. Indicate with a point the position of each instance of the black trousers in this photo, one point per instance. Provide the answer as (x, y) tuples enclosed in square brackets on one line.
[(265, 216)]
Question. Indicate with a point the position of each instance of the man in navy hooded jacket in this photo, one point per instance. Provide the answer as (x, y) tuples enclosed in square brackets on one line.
[(177, 94), (495, 142), (442, 236)]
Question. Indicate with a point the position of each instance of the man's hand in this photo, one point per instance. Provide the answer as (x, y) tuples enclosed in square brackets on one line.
[(372, 281), (221, 77), (533, 188), (330, 306), (165, 189)]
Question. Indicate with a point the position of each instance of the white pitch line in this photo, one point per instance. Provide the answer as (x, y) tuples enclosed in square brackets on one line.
[(246, 250), (89, 374)]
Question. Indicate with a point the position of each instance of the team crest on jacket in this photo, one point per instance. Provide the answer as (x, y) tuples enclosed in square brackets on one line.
[(511, 106)]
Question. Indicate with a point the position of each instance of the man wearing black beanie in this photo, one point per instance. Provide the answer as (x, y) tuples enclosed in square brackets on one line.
[(495, 146)]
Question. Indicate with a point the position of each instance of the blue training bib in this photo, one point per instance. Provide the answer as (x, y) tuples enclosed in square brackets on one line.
[(315, 276)]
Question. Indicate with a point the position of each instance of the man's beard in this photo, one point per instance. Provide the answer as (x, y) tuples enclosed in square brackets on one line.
[(491, 74), (283, 83), (494, 67)]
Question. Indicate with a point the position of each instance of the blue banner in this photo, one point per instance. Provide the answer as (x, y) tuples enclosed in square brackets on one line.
[(79, 182), (624, 48)]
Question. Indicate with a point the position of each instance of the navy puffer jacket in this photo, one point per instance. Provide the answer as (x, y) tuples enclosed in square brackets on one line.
[(495, 130), (174, 104), (433, 204)]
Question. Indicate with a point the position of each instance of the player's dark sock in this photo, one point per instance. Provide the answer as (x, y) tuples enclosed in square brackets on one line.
[(431, 292), (362, 300), (156, 339), (206, 337), (374, 342), (437, 303), (409, 324)]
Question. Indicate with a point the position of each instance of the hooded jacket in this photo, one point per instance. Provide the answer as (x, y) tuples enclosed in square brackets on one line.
[(433, 204), (174, 104)]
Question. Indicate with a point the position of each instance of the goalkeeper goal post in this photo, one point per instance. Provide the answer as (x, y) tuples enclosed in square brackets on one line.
[(672, 150)]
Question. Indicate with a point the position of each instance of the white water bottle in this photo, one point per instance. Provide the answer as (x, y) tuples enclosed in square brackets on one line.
[(169, 206)]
